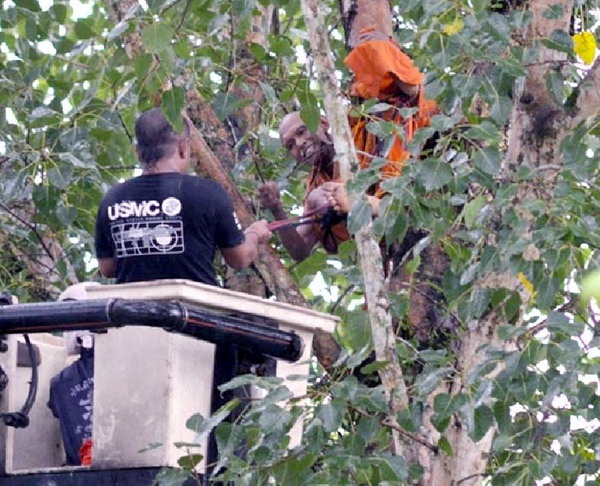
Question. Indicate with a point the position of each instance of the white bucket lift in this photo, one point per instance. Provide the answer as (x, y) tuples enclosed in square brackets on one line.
[(148, 382)]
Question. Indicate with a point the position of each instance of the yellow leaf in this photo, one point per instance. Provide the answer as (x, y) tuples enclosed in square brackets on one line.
[(454, 27), (584, 45), (526, 283)]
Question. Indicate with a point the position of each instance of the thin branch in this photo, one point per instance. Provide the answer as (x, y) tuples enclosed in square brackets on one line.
[(410, 435), (183, 15), (471, 476), (30, 226), (341, 297), (405, 433)]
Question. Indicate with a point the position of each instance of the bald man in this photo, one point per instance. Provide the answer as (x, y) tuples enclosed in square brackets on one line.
[(381, 70)]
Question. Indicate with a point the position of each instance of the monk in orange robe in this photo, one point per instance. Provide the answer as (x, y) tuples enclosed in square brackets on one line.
[(382, 71)]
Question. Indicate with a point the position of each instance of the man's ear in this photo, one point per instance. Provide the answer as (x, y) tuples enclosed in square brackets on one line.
[(182, 147), (324, 123), (137, 152)]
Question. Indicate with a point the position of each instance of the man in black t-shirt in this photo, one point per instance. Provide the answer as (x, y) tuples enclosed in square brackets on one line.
[(166, 223)]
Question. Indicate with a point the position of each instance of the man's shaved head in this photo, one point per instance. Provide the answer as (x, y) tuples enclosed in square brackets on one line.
[(303, 145), (155, 137)]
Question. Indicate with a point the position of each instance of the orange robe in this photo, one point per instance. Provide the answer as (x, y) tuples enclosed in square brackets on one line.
[(376, 64)]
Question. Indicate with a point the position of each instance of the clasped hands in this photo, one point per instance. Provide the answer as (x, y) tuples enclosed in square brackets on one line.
[(328, 195)]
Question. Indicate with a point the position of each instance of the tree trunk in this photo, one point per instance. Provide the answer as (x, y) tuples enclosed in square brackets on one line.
[(537, 128), (365, 14)]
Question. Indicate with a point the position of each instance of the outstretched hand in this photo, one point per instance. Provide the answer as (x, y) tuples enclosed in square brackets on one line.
[(269, 195)]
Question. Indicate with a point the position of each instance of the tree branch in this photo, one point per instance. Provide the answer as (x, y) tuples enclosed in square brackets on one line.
[(587, 105), (384, 339), (268, 263)]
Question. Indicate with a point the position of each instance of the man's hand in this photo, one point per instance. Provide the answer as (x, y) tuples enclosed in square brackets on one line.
[(241, 256), (338, 197), (268, 195), (260, 229), (321, 197)]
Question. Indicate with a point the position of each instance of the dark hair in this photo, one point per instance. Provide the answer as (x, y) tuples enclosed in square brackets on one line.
[(155, 137)]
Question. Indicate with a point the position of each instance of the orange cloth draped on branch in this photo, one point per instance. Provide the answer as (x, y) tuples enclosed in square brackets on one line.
[(377, 65)]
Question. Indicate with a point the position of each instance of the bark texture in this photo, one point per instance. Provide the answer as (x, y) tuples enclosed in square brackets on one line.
[(365, 14)]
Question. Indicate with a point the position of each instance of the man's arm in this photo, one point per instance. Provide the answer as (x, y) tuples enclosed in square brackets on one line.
[(108, 267), (241, 256), (300, 241)]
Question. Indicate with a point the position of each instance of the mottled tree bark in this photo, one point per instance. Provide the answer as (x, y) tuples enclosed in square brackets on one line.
[(365, 14)]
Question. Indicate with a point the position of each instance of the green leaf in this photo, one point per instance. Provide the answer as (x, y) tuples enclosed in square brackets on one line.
[(428, 381), (445, 446), (434, 174), (558, 322), (60, 176), (84, 29), (355, 330), (484, 131), (69, 158), (190, 461), (483, 420), (203, 426), (507, 331), (157, 37), (487, 160), (360, 215), (472, 209), (281, 46), (310, 114), (379, 107), (330, 415), (553, 12), (172, 105), (59, 12), (66, 214), (217, 23), (391, 468), (31, 5), (243, 7), (172, 477), (559, 40), (555, 85), (263, 382)]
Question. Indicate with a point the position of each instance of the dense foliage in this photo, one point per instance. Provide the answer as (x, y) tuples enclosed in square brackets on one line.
[(73, 77)]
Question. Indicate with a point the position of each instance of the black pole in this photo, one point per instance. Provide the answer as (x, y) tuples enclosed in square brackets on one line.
[(95, 315)]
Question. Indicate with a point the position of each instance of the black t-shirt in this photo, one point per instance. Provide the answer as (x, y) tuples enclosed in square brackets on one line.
[(166, 226)]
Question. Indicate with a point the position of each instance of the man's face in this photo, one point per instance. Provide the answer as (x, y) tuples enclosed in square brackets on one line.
[(303, 145)]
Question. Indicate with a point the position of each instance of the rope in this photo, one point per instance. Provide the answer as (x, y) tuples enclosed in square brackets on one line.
[(306, 218)]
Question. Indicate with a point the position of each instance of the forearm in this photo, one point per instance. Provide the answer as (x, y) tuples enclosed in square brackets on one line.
[(294, 243), (290, 238), (242, 255), (278, 213)]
